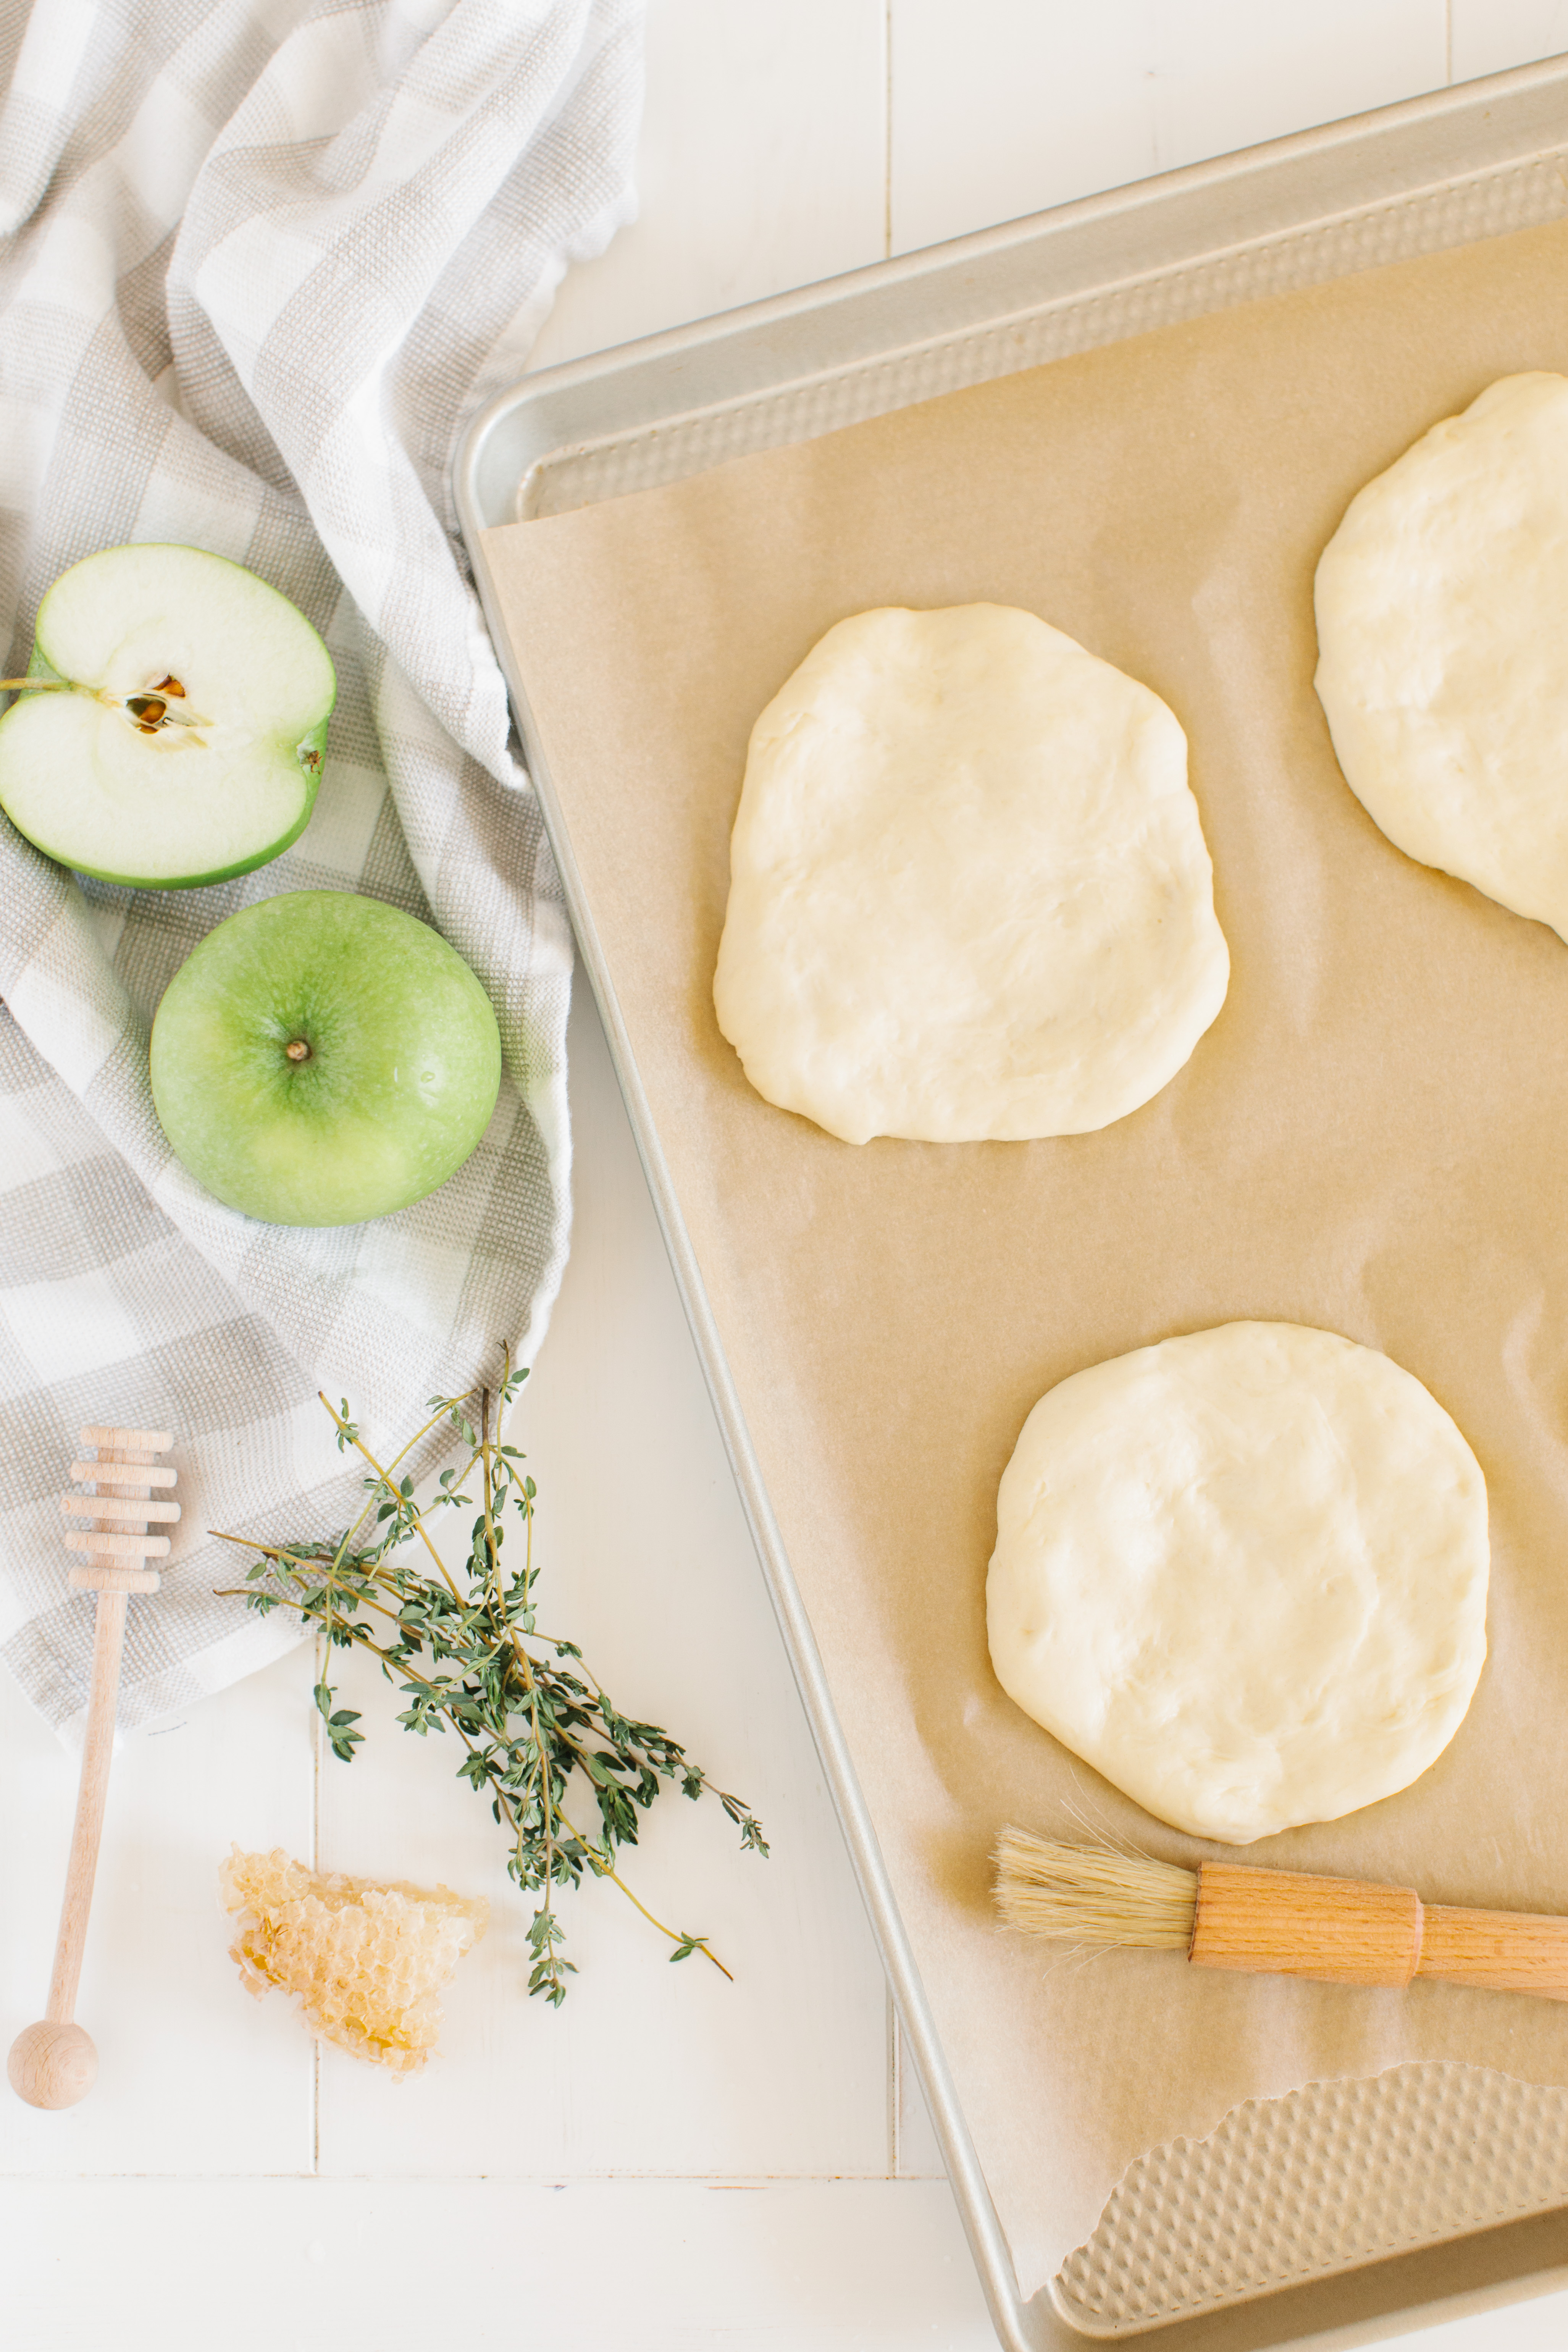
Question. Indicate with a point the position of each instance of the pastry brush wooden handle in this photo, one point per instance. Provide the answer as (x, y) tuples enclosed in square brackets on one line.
[(1501, 1951), (1343, 1931)]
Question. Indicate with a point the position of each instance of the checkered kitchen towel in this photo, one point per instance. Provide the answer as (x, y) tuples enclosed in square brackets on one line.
[(262, 258)]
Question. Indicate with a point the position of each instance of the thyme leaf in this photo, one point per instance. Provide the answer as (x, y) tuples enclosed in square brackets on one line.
[(465, 1654)]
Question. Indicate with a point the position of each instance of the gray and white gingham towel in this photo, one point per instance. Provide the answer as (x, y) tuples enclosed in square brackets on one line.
[(261, 258)]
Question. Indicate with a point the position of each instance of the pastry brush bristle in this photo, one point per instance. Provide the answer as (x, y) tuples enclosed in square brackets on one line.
[(1090, 1895)]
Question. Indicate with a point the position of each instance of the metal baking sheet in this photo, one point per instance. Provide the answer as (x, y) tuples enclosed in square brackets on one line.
[(1439, 171)]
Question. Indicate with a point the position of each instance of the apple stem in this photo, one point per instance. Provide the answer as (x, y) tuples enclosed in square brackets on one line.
[(298, 1050), (34, 685)]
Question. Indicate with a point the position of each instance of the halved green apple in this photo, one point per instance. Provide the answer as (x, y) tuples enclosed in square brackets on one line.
[(174, 722)]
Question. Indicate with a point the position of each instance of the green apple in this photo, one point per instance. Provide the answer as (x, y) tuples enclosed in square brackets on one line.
[(322, 1058), (173, 722)]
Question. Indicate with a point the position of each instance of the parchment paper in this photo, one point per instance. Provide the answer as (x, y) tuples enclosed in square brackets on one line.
[(1372, 1137)]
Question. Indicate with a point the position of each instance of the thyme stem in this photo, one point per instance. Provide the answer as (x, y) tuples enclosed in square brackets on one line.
[(525, 1722), (608, 1870), (384, 1485)]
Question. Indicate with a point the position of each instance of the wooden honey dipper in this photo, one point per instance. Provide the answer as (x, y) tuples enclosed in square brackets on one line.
[(53, 2063), (1273, 1922)]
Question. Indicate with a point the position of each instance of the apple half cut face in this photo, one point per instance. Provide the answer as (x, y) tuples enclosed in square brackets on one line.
[(177, 730)]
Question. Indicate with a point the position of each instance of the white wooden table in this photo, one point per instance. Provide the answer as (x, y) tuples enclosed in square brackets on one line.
[(669, 2158)]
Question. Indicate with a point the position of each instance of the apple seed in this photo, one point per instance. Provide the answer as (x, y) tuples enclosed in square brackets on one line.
[(150, 713)]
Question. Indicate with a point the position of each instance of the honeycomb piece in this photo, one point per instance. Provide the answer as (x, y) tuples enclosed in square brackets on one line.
[(367, 1960)]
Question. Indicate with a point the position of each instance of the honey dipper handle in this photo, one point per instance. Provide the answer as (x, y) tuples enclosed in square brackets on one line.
[(1500, 1952), (108, 1640)]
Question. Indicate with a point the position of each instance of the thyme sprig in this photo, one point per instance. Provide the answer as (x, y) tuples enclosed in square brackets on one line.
[(468, 1656)]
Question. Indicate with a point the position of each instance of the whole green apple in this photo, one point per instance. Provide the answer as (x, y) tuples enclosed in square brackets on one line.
[(172, 725), (322, 1058)]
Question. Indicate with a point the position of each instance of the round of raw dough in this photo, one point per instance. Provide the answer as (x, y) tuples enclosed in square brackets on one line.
[(1442, 604), (1244, 1575), (969, 892)]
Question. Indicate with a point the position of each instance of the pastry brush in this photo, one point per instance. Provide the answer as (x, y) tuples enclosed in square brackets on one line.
[(1227, 1915)]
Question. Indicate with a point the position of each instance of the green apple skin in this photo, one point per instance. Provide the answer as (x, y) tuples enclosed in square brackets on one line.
[(396, 1083), (58, 748)]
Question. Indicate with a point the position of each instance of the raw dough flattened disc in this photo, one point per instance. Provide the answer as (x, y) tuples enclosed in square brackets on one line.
[(1442, 604), (1244, 1575), (969, 892)]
